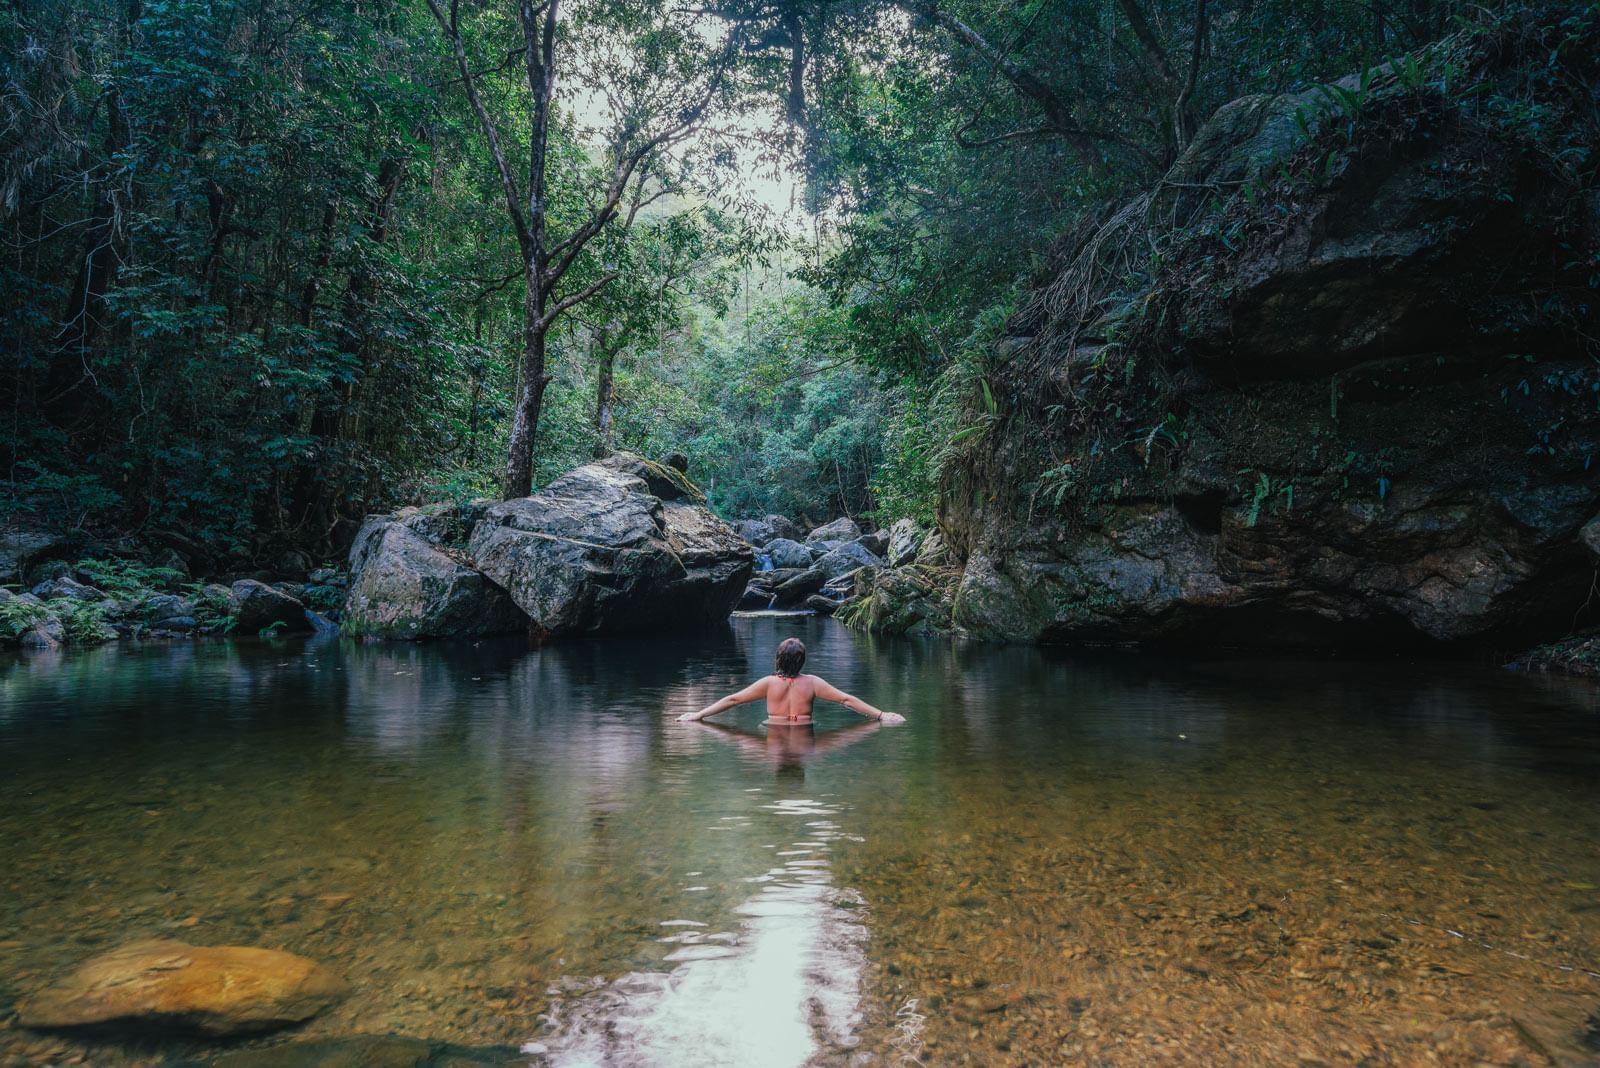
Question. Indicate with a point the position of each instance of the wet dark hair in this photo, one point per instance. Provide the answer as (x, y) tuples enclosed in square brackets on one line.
[(791, 657)]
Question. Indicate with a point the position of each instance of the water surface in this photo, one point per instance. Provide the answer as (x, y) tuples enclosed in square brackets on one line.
[(1092, 856)]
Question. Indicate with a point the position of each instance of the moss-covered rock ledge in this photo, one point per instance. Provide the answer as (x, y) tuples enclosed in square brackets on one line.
[(1331, 381)]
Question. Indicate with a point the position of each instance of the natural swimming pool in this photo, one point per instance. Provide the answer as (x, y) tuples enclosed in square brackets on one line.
[(1089, 856)]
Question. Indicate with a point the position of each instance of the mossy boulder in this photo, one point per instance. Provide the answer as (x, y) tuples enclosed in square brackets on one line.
[(1352, 401), (619, 544), (406, 585)]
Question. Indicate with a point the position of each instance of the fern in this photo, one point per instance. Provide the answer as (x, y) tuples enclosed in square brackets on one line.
[(17, 617), (1263, 491), (124, 579), (85, 622)]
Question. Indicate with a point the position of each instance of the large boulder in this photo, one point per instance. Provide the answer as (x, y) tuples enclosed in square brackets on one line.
[(1347, 411), (618, 544), (906, 600), (441, 523), (821, 605), (756, 531), (48, 633), (795, 590), (21, 547), (215, 990), (786, 527), (842, 529), (404, 585), (759, 532), (875, 542), (786, 553), (847, 558), (160, 607), (904, 541), (68, 587), (256, 606)]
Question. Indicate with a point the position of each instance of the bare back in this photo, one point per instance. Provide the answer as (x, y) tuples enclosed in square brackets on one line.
[(789, 699)]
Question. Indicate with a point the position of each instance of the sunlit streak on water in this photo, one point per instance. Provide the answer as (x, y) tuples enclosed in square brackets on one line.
[(777, 992)]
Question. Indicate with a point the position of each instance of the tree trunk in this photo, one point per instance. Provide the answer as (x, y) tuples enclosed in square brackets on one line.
[(605, 397), (319, 489), (525, 423), (86, 314)]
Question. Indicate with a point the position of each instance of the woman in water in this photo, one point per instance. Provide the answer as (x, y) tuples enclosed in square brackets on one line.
[(789, 694)]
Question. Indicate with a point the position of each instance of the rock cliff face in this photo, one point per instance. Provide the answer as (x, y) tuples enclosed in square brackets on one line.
[(1356, 396)]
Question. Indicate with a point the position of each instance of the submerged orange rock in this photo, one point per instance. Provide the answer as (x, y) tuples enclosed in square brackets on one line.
[(217, 990)]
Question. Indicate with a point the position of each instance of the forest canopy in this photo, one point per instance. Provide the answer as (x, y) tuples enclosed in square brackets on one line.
[(270, 265)]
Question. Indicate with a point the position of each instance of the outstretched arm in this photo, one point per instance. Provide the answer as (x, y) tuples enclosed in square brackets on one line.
[(753, 692), (829, 692)]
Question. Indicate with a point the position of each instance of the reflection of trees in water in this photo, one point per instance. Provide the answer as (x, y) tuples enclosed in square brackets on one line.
[(601, 700)]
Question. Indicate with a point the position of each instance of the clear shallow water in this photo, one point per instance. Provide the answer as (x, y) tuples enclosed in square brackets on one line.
[(1092, 856)]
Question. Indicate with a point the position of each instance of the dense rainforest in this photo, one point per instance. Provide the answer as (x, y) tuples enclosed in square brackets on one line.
[(272, 265)]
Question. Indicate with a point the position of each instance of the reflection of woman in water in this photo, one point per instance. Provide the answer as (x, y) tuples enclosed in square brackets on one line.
[(789, 694), (786, 746)]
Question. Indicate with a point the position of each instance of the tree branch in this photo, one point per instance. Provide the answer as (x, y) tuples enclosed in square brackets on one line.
[(540, 46), (508, 182), (629, 160), (1149, 41), (1182, 118), (1056, 111), (577, 298)]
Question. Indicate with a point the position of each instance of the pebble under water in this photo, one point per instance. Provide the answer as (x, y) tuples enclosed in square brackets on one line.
[(1097, 857)]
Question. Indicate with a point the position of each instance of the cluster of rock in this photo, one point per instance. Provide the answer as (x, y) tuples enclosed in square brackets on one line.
[(63, 606), (825, 570), (619, 544)]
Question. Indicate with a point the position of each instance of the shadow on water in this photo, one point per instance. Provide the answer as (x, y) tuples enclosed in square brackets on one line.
[(1063, 855)]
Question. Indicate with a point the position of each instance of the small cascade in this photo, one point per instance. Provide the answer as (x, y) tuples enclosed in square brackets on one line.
[(763, 562)]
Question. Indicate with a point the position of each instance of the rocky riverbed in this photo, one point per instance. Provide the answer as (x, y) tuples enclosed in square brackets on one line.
[(1060, 858)]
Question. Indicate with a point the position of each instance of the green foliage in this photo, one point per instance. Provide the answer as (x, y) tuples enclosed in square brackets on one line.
[(211, 605), (918, 429), (324, 598), (263, 282), (268, 333), (84, 621), (126, 579), (17, 617), (1263, 490)]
